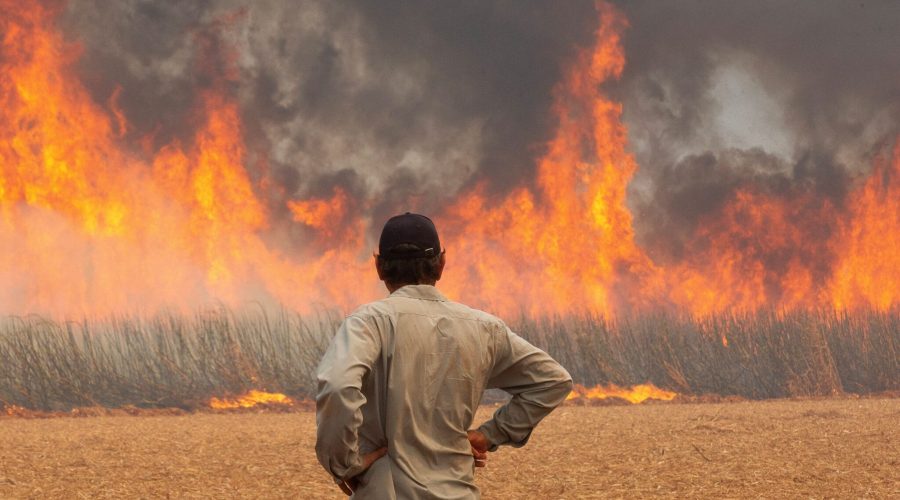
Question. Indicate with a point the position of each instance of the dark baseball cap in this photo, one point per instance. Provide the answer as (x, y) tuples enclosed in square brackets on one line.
[(409, 229)]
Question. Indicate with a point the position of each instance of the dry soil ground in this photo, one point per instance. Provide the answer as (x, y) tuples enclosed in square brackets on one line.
[(843, 448)]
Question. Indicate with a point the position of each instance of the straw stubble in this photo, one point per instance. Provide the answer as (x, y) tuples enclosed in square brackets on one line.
[(786, 448)]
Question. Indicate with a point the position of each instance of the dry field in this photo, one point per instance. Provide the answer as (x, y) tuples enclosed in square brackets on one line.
[(836, 448)]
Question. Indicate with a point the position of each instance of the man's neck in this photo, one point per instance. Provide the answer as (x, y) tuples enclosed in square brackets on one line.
[(392, 287)]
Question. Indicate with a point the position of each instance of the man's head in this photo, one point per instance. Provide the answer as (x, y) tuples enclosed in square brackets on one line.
[(409, 252)]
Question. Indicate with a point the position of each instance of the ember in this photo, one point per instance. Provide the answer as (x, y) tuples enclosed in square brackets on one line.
[(251, 399), (636, 394)]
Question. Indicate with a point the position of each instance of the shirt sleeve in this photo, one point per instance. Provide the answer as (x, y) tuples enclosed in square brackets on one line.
[(354, 349), (538, 384)]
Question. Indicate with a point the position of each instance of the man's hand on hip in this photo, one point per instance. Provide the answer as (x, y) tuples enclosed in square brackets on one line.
[(479, 443), (350, 485)]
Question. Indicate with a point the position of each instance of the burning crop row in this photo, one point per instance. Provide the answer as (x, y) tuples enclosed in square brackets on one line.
[(251, 399), (635, 395), (184, 361)]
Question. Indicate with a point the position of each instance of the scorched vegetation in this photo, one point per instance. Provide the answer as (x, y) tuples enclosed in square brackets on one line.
[(184, 360)]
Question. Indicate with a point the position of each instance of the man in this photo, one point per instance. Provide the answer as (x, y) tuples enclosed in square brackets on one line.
[(403, 376)]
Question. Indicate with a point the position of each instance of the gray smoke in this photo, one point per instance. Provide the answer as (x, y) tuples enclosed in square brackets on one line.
[(405, 100), (406, 103), (787, 97)]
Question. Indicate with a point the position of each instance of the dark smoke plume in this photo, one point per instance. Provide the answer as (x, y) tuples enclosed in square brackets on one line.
[(781, 96), (399, 101)]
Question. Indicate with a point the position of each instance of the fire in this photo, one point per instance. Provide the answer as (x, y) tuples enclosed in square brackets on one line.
[(796, 251), (94, 221), (760, 250), (636, 394), (568, 242), (251, 399), (868, 243), (89, 226), (14, 411), (319, 213)]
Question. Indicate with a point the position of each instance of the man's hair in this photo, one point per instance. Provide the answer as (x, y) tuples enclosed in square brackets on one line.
[(414, 271)]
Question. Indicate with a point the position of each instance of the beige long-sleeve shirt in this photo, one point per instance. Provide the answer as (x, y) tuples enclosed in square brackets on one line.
[(408, 373)]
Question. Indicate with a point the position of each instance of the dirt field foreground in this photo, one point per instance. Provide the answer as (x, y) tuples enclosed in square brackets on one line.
[(844, 448)]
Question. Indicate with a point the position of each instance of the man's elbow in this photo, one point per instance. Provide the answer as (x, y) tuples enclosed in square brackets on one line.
[(553, 388), (555, 382), (565, 385), (340, 386)]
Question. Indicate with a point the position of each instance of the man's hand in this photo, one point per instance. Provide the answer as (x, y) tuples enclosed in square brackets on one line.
[(350, 485), (480, 445)]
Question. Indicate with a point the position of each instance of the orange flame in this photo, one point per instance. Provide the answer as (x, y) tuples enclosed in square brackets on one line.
[(91, 225), (636, 394), (760, 250), (14, 411), (568, 244), (251, 399), (868, 244), (320, 213)]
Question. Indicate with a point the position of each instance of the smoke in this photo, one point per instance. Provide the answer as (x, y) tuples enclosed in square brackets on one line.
[(827, 67), (404, 104), (782, 97), (409, 101)]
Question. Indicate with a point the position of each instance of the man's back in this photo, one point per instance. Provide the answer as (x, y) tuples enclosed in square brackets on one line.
[(416, 366)]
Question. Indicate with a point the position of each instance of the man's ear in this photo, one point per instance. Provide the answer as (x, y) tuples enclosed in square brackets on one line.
[(441, 263), (378, 269)]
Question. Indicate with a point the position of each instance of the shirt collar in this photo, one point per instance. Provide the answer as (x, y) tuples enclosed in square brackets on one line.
[(423, 292)]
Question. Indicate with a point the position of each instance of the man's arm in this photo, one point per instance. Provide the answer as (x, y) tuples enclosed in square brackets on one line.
[(538, 384), (352, 352)]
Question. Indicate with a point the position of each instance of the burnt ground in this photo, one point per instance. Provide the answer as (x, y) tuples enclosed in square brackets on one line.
[(833, 448)]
